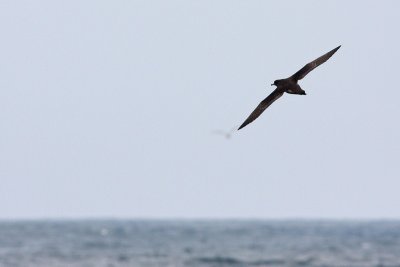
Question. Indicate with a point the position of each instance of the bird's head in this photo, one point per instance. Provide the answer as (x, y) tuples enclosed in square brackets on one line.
[(276, 82)]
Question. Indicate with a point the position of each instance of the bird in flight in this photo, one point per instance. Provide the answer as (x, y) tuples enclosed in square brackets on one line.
[(288, 85)]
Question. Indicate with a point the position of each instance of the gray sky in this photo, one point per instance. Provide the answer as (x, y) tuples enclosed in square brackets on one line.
[(107, 109)]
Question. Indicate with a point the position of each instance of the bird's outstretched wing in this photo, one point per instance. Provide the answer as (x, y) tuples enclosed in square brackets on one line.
[(313, 64), (263, 106)]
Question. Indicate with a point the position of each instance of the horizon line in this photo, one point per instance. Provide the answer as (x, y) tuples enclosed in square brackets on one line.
[(197, 218)]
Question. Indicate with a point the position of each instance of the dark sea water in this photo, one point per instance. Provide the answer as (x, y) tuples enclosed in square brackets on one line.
[(199, 243)]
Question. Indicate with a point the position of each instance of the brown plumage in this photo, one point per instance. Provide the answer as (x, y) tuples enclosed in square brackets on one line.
[(288, 85)]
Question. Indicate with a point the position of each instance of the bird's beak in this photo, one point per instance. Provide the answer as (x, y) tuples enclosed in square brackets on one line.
[(272, 84)]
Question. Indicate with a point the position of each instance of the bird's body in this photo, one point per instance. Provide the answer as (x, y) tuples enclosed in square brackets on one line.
[(289, 85)]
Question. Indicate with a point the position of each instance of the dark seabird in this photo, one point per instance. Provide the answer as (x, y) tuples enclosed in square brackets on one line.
[(288, 85)]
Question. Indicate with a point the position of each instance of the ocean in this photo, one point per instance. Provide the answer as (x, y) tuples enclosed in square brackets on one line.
[(205, 243)]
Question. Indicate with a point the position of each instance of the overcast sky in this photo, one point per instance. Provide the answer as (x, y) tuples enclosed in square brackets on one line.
[(107, 109)]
